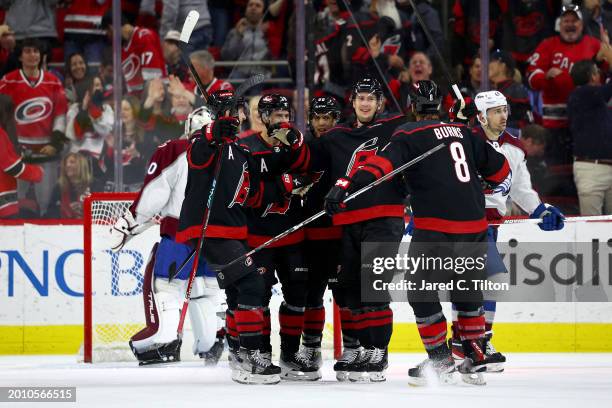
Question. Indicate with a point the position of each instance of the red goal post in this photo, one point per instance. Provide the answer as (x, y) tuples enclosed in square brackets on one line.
[(113, 306)]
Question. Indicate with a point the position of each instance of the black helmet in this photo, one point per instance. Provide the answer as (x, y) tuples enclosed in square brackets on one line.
[(322, 105), (369, 85), (220, 101), (272, 102), (425, 96)]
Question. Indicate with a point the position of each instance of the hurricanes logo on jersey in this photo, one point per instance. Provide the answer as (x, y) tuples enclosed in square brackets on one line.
[(242, 191), (130, 67), (33, 110), (277, 208), (365, 150)]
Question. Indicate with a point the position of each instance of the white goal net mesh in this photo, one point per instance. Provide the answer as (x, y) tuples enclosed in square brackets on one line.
[(117, 283)]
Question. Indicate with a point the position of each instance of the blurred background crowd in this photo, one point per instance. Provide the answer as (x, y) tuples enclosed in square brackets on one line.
[(551, 59)]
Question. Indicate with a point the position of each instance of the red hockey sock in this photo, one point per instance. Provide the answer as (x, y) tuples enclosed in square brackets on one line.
[(314, 323), (249, 324), (291, 321)]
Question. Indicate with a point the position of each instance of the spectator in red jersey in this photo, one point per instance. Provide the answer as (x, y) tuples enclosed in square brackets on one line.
[(548, 72), (75, 72), (172, 56), (247, 40), (502, 68), (141, 55), (73, 185), (83, 31), (89, 121), (40, 113), (11, 165)]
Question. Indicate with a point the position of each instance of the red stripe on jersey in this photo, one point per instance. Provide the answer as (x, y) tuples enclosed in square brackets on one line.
[(212, 231), (409, 132), (323, 233), (380, 162), (378, 211), (451, 227), (295, 238), (500, 175)]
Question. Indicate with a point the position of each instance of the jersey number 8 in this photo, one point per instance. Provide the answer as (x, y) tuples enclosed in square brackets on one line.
[(461, 167)]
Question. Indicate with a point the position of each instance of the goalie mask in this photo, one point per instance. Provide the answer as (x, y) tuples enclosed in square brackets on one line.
[(197, 119)]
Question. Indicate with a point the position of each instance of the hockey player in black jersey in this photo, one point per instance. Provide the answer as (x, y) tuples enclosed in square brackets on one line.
[(448, 207), (376, 217), (322, 238), (278, 154), (238, 186)]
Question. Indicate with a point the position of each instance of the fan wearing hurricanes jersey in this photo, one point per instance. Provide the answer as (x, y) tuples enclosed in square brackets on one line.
[(164, 287), (322, 238), (141, 54), (279, 154), (40, 115), (492, 112), (441, 223), (374, 217)]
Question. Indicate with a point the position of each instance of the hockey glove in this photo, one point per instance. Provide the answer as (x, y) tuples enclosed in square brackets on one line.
[(287, 135), (552, 218), (222, 130), (334, 200), (125, 229), (297, 184), (463, 112)]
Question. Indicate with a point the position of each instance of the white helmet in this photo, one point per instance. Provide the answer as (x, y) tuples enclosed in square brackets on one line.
[(487, 100), (197, 119)]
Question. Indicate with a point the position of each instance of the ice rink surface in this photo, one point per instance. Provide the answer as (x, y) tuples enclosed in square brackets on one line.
[(530, 380)]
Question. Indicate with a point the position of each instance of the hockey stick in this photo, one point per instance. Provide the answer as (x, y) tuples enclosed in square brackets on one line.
[(365, 43), (447, 73), (188, 26), (567, 219), (349, 198)]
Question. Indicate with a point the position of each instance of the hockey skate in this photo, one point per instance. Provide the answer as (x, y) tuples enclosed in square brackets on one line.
[(164, 353), (433, 371), (370, 366), (233, 358), (349, 355), (495, 358), (212, 356), (456, 349), (313, 355), (254, 369), (296, 367), (475, 362)]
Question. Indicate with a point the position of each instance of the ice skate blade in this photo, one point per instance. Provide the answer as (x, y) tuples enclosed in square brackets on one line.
[(342, 376), (495, 368), (158, 363), (244, 377), (377, 376), (442, 380), (358, 376), (289, 375)]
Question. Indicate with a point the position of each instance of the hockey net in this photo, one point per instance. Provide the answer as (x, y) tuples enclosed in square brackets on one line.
[(113, 304)]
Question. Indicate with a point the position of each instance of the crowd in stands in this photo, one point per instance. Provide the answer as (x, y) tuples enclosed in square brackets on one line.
[(550, 58)]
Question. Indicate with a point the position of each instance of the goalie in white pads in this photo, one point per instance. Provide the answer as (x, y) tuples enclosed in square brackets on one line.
[(164, 286), (492, 112)]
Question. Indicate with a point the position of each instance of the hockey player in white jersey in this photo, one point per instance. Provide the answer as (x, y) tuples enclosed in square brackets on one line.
[(492, 112), (164, 286)]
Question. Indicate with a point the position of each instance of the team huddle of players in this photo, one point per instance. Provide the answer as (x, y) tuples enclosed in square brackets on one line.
[(267, 182)]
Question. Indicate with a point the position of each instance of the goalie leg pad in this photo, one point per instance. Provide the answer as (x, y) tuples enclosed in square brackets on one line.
[(202, 309), (162, 312)]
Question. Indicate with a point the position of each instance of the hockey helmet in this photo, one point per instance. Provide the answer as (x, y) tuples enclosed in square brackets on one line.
[(272, 102), (323, 105), (197, 119), (425, 97), (488, 100), (368, 85)]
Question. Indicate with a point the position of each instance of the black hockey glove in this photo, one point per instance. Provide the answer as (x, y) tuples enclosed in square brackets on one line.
[(297, 184), (222, 130), (334, 200), (287, 135), (464, 112)]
